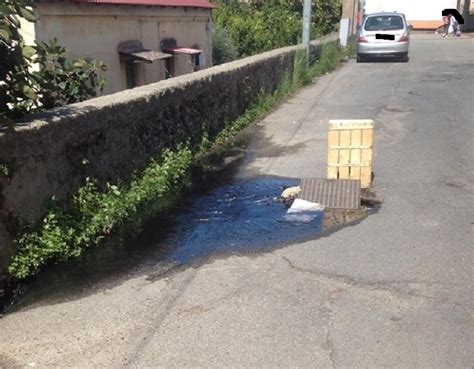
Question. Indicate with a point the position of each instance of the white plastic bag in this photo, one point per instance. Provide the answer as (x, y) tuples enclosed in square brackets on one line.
[(302, 211)]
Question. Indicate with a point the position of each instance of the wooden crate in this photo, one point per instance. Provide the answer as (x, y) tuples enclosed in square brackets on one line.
[(350, 144)]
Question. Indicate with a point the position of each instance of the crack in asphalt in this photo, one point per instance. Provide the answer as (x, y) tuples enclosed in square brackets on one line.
[(200, 308), (152, 330), (461, 186), (387, 286), (329, 344), (149, 333)]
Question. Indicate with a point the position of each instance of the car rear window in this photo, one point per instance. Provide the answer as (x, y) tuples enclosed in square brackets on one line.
[(384, 23)]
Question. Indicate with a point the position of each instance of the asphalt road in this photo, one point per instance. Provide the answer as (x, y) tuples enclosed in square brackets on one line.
[(394, 291)]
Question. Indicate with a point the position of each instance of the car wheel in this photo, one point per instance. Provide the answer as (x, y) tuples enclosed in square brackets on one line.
[(360, 58), (404, 57)]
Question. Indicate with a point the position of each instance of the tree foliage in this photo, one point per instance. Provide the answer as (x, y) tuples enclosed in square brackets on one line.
[(62, 81), (223, 46), (57, 82), (260, 25), (16, 93), (325, 16)]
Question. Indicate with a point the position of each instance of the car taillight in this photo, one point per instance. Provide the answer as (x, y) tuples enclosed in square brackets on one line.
[(404, 38), (362, 39)]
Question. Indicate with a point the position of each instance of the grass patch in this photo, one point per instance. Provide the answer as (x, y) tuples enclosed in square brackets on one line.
[(350, 51), (94, 212), (329, 59)]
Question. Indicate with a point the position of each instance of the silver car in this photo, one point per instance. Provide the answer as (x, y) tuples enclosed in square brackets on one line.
[(383, 35)]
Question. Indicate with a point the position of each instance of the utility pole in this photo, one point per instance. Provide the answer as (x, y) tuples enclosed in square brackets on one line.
[(306, 25)]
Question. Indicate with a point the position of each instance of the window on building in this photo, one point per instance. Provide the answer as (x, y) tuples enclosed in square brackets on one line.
[(131, 74), (169, 68), (196, 60)]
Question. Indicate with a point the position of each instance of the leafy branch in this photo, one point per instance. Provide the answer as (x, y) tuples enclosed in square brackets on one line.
[(57, 82)]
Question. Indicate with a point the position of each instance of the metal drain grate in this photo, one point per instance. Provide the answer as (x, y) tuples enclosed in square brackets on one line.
[(333, 193)]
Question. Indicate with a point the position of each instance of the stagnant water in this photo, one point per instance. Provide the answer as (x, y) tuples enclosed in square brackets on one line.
[(241, 217)]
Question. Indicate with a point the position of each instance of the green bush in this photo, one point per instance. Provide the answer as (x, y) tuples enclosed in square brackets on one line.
[(95, 213), (16, 93), (326, 15), (259, 26), (329, 58), (351, 49), (56, 83), (60, 81), (223, 47), (301, 75)]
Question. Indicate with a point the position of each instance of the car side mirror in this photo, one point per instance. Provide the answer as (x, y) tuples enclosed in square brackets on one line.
[(410, 28)]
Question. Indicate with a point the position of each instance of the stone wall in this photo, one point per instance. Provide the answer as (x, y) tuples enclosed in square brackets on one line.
[(118, 134)]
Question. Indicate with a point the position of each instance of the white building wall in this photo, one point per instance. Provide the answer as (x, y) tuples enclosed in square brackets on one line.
[(95, 31), (420, 10), (27, 31)]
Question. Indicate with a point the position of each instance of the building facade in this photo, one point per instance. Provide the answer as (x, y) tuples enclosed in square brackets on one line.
[(140, 41)]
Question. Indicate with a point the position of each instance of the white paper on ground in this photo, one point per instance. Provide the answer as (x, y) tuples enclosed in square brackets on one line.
[(300, 205)]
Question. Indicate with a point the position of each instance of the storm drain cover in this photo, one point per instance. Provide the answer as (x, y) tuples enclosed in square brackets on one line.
[(333, 193)]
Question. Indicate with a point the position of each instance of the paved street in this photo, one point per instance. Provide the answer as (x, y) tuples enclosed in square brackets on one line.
[(394, 291)]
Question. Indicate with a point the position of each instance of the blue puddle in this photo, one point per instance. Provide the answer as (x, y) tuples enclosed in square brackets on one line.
[(240, 217), (237, 218)]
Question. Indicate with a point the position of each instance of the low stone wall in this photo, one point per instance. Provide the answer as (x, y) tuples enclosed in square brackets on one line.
[(118, 134)]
